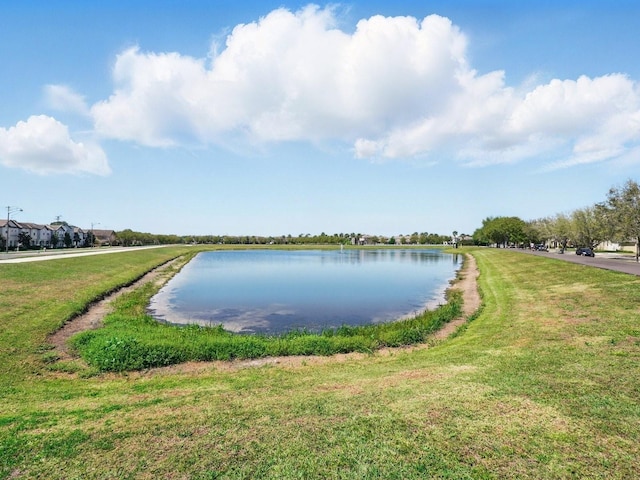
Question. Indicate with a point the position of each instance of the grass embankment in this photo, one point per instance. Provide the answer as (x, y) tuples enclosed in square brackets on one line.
[(133, 340), (38, 298), (543, 383)]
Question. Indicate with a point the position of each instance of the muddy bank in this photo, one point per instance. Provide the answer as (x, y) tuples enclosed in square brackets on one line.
[(96, 312)]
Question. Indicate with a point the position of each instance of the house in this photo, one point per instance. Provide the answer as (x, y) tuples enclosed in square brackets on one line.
[(40, 234), (10, 232), (362, 240), (79, 237), (47, 236), (60, 231), (617, 246), (105, 237)]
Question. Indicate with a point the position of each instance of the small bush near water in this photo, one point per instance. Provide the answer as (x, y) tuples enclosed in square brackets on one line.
[(133, 340)]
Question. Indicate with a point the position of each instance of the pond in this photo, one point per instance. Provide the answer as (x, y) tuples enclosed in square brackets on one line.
[(274, 291)]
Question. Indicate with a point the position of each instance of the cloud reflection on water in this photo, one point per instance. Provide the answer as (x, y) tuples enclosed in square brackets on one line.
[(269, 291)]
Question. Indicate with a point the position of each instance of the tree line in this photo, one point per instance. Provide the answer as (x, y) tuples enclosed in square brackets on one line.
[(129, 237), (615, 219)]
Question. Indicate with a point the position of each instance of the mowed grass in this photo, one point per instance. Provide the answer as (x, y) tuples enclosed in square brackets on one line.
[(37, 298), (543, 383)]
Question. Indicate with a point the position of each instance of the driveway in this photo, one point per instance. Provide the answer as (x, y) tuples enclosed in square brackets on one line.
[(607, 261)]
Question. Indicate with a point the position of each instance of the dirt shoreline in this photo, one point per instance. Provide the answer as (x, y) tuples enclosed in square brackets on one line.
[(95, 314), (466, 283)]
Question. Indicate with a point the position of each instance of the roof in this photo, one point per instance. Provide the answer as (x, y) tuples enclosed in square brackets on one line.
[(104, 234), (12, 224), (32, 225)]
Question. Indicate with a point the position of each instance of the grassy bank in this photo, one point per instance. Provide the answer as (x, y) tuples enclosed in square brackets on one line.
[(39, 297), (542, 384), (132, 340)]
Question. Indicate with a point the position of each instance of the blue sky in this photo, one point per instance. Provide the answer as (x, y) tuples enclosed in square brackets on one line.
[(270, 118)]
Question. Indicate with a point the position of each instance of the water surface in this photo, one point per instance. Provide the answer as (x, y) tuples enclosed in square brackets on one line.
[(273, 291)]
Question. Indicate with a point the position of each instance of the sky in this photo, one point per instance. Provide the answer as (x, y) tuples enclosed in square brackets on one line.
[(199, 117)]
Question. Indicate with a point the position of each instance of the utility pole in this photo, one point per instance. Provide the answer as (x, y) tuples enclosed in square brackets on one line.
[(92, 236)]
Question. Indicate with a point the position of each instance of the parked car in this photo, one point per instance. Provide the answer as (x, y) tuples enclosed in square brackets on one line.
[(585, 252), (542, 248)]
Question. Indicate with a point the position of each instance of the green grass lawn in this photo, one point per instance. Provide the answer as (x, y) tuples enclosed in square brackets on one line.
[(543, 383)]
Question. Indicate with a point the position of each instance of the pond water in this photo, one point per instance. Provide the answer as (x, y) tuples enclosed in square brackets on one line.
[(274, 291)]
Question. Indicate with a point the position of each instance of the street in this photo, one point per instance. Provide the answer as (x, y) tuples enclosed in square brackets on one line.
[(608, 261)]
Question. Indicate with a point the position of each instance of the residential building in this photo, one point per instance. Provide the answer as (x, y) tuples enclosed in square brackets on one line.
[(40, 234), (105, 237), (61, 230), (45, 236), (10, 232), (79, 237)]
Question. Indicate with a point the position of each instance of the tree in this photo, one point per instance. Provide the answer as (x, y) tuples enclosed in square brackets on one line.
[(622, 212), (493, 232), (24, 239), (67, 240), (515, 230), (480, 236), (126, 237), (501, 231), (588, 227), (560, 229), (533, 234), (89, 239), (542, 229)]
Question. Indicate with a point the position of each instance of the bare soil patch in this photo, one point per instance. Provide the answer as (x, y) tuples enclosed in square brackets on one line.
[(468, 285), (97, 311)]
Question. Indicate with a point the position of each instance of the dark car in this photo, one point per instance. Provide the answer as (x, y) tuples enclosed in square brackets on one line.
[(585, 252)]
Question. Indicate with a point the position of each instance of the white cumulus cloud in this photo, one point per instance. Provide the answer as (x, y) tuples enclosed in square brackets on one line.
[(289, 76), (43, 145), (394, 87)]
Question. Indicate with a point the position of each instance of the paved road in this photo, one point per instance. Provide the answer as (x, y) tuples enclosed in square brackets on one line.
[(607, 261), (31, 256)]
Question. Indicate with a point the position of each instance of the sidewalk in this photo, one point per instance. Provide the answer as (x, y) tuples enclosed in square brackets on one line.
[(42, 255)]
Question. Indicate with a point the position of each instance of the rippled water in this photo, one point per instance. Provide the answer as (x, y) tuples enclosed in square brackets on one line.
[(273, 291)]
